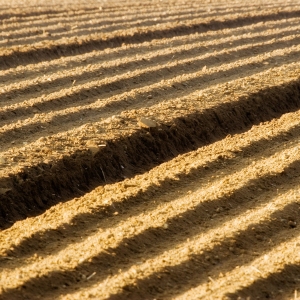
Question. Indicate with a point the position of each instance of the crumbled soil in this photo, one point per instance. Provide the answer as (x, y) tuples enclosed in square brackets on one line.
[(149, 150)]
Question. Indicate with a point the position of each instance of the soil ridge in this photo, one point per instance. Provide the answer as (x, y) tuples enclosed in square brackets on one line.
[(36, 188)]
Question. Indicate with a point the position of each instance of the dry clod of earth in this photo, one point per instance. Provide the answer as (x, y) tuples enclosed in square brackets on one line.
[(146, 123), (149, 149), (92, 146)]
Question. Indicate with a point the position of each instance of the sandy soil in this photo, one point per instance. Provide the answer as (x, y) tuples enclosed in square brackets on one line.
[(149, 150)]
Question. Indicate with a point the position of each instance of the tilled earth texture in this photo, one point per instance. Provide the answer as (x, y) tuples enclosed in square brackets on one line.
[(149, 149)]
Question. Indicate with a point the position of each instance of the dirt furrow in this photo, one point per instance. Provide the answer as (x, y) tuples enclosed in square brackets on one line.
[(77, 26), (17, 154), (76, 253), (262, 277), (164, 56), (203, 163), (71, 64), (32, 13), (19, 12), (82, 20), (149, 150), (164, 276), (53, 17), (71, 16), (86, 26), (290, 153), (105, 88), (33, 106), (87, 168), (65, 47)]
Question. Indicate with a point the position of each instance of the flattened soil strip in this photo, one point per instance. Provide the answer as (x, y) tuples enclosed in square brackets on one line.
[(36, 188), (34, 55)]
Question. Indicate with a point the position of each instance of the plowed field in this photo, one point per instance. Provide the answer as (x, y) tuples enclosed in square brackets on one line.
[(149, 149)]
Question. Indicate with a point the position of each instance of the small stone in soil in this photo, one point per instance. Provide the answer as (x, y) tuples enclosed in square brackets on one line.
[(292, 224), (92, 146), (146, 123)]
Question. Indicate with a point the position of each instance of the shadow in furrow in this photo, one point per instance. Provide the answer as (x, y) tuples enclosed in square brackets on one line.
[(124, 52), (22, 16), (279, 285), (155, 241), (108, 26), (55, 51), (138, 101), (49, 13), (38, 187), (42, 242), (113, 88), (228, 254), (107, 18)]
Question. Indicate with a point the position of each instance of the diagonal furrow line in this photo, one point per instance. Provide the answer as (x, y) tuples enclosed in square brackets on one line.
[(15, 90), (280, 264), (191, 253), (147, 48), (59, 48), (188, 79), (81, 21), (244, 111), (82, 27), (52, 14), (76, 253), (209, 193), (199, 164)]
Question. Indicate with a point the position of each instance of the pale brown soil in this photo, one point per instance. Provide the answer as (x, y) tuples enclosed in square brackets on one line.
[(95, 204)]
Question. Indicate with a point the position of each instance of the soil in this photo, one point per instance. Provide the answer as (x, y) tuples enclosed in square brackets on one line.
[(149, 149)]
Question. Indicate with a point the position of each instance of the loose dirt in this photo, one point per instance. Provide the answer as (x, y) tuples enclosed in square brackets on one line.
[(149, 150)]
